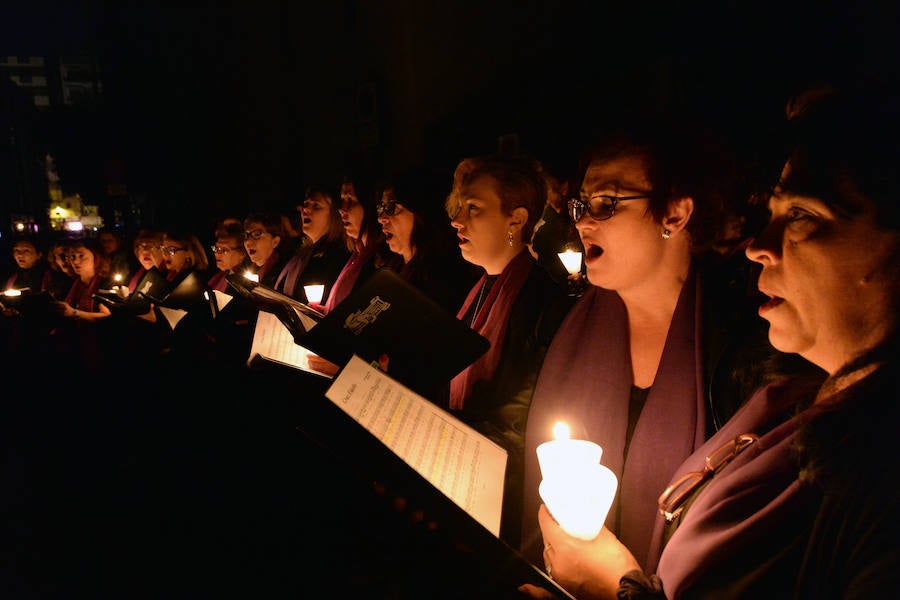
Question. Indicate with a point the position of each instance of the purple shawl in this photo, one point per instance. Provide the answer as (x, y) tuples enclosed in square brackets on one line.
[(748, 503), (586, 382)]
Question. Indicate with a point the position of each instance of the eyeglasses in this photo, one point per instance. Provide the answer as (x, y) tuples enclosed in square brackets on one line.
[(146, 247), (255, 234), (671, 501), (599, 207), (77, 257), (387, 210), (222, 249), (172, 250)]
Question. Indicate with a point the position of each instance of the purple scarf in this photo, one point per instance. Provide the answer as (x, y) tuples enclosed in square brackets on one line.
[(747, 503), (586, 382)]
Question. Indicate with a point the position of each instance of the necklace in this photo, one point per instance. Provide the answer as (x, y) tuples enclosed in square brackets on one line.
[(477, 304)]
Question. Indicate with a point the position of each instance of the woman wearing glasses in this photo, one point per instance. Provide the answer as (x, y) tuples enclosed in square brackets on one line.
[(416, 231), (804, 501), (148, 252), (230, 256), (183, 253), (262, 239), (660, 349), (322, 252)]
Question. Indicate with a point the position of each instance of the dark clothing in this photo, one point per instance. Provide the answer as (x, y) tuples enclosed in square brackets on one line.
[(269, 271), (318, 263), (34, 279), (498, 406), (554, 233), (704, 374), (444, 279)]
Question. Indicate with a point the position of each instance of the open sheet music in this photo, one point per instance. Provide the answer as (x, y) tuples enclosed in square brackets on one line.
[(273, 341), (463, 464)]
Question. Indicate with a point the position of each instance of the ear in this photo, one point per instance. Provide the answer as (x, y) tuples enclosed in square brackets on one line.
[(276, 240), (679, 213), (517, 218)]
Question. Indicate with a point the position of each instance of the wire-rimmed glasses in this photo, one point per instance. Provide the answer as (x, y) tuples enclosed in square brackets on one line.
[(671, 501), (600, 207), (255, 234), (388, 209)]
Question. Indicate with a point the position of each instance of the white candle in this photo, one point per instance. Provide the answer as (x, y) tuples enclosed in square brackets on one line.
[(314, 293), (571, 260), (577, 490)]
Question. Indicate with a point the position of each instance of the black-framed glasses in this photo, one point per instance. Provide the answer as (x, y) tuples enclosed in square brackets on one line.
[(600, 207), (221, 249), (172, 250), (386, 210), (671, 501), (255, 234)]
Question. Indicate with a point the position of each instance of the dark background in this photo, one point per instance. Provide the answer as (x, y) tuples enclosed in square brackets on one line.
[(222, 107), (173, 479)]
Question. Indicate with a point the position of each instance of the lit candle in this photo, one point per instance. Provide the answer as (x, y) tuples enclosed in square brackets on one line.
[(117, 278), (571, 260), (314, 293), (577, 490)]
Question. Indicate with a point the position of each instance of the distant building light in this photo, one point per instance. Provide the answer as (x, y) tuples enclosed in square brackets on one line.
[(74, 226), (20, 226)]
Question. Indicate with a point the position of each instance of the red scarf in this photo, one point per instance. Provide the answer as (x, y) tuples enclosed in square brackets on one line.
[(491, 322), (80, 293)]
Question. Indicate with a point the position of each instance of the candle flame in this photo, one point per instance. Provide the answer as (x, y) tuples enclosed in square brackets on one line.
[(571, 260), (561, 431), (251, 276), (11, 292), (117, 277)]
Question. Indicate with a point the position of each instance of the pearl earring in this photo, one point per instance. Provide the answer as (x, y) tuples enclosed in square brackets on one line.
[(666, 234), (509, 238)]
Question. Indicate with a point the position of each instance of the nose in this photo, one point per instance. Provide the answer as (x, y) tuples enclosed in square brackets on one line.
[(383, 219), (766, 247)]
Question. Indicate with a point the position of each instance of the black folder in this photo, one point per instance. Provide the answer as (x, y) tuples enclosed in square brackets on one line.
[(27, 302), (152, 286), (488, 568), (384, 318)]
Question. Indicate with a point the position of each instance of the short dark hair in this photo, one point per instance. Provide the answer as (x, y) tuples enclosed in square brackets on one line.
[(683, 156), (844, 148)]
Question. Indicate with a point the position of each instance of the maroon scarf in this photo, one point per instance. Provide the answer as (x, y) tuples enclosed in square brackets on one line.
[(218, 281), (135, 279), (267, 266), (345, 281), (80, 293), (491, 322), (586, 382)]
